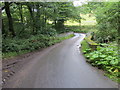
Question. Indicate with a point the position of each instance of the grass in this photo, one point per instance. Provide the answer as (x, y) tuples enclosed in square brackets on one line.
[(88, 24), (67, 37), (88, 20), (82, 29), (13, 54), (85, 21)]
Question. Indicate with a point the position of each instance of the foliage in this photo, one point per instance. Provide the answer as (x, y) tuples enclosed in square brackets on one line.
[(81, 29), (16, 46), (108, 30), (32, 17), (105, 58), (26, 27), (107, 14)]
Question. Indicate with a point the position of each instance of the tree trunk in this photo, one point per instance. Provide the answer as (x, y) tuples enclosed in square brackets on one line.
[(80, 24), (10, 20), (59, 26), (37, 19), (32, 17), (45, 19), (21, 17), (1, 21), (3, 30), (20, 12)]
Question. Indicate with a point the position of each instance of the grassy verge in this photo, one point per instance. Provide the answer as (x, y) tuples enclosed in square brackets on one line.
[(22, 47), (13, 54)]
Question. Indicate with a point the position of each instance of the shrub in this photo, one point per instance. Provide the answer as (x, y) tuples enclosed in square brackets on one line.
[(105, 58), (17, 45)]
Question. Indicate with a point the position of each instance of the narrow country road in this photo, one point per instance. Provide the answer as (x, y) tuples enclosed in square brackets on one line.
[(60, 66)]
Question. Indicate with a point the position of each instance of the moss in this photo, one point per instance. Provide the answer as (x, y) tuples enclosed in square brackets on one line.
[(85, 45), (91, 42)]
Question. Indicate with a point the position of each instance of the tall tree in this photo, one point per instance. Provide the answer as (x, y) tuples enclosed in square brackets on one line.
[(10, 20), (31, 11)]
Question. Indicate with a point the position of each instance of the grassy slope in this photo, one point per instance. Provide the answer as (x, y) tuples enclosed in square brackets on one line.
[(85, 21)]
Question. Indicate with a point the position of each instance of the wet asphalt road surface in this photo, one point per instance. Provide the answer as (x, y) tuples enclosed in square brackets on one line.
[(60, 66)]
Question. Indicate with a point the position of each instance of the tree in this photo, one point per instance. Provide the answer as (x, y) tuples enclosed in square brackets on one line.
[(10, 20), (34, 17), (107, 14)]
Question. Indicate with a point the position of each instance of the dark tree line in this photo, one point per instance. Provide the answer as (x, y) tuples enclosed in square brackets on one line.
[(35, 16)]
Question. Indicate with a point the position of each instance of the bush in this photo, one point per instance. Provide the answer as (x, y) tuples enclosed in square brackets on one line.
[(105, 58), (48, 31), (104, 35), (17, 45)]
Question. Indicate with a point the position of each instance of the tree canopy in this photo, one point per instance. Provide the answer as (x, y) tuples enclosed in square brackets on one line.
[(21, 17)]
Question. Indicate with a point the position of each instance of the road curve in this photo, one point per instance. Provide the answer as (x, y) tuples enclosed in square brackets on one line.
[(60, 66)]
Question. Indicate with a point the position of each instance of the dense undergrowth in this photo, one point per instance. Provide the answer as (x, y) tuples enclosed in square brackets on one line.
[(28, 43), (105, 57), (16, 46)]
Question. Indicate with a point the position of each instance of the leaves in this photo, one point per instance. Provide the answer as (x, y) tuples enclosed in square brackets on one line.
[(105, 58)]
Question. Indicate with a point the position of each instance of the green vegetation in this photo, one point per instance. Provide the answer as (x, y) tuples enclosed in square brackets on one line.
[(88, 44), (17, 47), (81, 29), (30, 26), (106, 55), (89, 41), (105, 58), (106, 14), (85, 46), (13, 54)]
